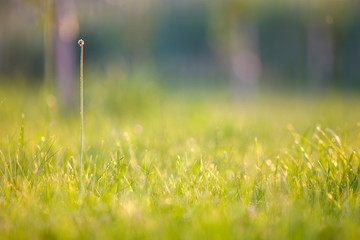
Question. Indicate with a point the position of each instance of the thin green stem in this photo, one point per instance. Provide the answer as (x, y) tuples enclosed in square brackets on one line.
[(81, 43)]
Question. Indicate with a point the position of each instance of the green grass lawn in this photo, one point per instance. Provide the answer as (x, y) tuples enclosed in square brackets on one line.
[(166, 164)]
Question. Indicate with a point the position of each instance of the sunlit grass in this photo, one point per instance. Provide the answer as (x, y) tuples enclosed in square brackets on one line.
[(170, 165)]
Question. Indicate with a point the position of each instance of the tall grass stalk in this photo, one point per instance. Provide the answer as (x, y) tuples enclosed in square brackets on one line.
[(81, 44)]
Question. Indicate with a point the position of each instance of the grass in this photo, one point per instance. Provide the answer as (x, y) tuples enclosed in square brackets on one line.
[(163, 164)]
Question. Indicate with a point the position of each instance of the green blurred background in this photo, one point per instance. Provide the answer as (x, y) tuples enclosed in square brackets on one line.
[(240, 45)]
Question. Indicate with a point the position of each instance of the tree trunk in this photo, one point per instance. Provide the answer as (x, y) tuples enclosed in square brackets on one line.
[(48, 45), (320, 45), (65, 32), (245, 61)]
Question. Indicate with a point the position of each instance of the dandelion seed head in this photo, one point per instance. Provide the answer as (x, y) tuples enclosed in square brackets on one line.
[(81, 42)]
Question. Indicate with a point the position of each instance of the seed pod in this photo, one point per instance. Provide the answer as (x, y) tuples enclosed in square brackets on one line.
[(81, 42)]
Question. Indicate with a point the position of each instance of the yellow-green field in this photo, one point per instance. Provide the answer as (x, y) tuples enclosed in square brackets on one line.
[(167, 164)]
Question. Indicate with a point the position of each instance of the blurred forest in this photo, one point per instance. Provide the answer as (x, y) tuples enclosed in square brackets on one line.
[(239, 43)]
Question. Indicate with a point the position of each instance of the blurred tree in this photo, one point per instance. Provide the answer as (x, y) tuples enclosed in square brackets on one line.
[(287, 42), (237, 36), (60, 28), (48, 25), (141, 16), (65, 31), (320, 53), (320, 42), (3, 8)]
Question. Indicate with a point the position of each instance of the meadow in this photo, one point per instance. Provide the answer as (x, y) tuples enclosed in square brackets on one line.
[(165, 163)]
